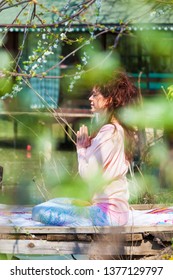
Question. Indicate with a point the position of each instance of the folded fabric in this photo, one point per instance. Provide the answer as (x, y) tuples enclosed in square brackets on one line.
[(151, 217), (21, 216), (164, 210)]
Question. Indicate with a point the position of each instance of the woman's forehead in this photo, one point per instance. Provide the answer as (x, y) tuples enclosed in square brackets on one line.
[(95, 89)]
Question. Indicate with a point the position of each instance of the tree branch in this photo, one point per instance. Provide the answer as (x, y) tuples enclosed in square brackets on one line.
[(85, 6), (14, 5)]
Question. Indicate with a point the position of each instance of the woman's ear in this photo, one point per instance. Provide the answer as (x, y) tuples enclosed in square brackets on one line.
[(109, 101)]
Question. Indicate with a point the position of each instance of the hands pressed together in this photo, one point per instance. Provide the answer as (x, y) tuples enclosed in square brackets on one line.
[(83, 139)]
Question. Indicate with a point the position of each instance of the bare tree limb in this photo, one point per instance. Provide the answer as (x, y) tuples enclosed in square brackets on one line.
[(14, 5), (84, 7)]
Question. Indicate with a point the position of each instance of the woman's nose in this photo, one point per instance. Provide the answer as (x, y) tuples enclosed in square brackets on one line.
[(91, 97)]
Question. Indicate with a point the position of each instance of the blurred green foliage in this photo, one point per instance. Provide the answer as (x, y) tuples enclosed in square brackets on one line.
[(169, 93), (6, 83), (96, 65), (154, 112), (101, 65), (155, 42), (154, 180)]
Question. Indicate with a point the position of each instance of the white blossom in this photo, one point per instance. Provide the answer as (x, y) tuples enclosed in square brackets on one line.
[(63, 36), (153, 13), (43, 36), (34, 66), (48, 53)]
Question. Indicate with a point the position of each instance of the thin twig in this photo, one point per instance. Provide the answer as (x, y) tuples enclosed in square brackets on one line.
[(85, 6), (51, 110), (63, 119), (14, 5)]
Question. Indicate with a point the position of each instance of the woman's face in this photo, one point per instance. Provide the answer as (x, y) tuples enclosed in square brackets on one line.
[(98, 101)]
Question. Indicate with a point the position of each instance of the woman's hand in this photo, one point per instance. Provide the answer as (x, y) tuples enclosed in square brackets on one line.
[(83, 140)]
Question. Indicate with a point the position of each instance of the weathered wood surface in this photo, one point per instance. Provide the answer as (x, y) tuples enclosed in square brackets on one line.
[(86, 230), (86, 240), (122, 241), (40, 247)]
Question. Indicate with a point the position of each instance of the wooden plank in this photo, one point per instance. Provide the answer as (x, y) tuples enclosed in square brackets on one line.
[(44, 247), (147, 228), (143, 248), (75, 237), (133, 237), (22, 236), (69, 237), (163, 236), (147, 206), (85, 230), (56, 229)]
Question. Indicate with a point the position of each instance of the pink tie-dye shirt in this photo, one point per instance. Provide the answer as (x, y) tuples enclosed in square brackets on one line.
[(105, 159)]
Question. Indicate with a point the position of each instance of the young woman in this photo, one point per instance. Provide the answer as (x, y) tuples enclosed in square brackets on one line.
[(103, 162)]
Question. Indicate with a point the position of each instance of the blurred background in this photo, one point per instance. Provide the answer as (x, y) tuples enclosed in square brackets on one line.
[(46, 75)]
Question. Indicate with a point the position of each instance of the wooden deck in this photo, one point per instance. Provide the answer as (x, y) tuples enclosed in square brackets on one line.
[(123, 241), (127, 241), (104, 241)]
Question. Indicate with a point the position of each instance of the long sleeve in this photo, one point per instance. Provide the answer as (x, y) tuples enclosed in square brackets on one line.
[(88, 166), (104, 165), (106, 154)]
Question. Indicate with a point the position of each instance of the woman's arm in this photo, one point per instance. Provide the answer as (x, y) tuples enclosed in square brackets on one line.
[(83, 142), (93, 159)]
